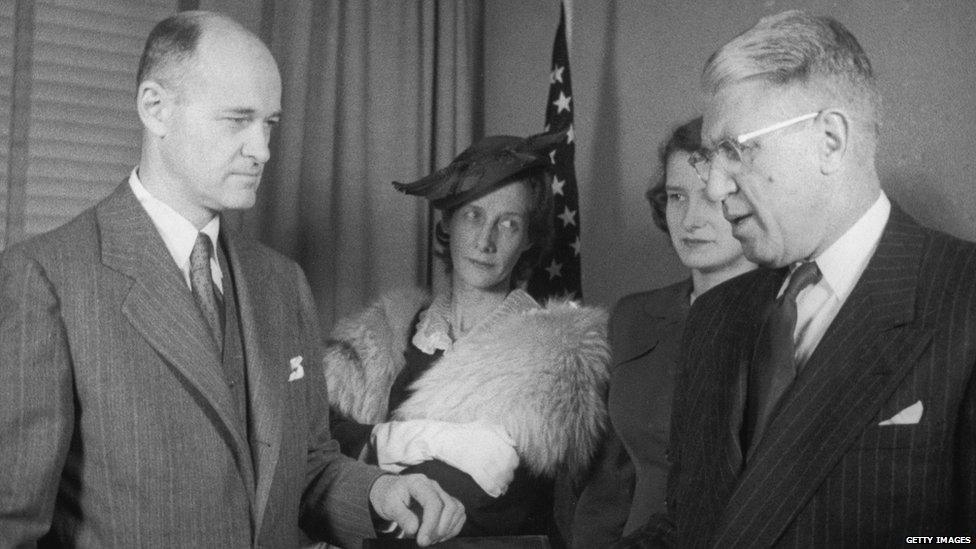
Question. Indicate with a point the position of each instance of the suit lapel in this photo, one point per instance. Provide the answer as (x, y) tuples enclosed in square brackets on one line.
[(161, 308), (742, 334), (266, 384), (867, 350)]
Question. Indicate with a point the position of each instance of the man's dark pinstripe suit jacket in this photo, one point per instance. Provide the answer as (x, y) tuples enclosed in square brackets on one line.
[(826, 474), (117, 427)]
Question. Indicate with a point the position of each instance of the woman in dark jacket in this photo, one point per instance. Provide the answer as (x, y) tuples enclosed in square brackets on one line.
[(628, 484), (478, 387)]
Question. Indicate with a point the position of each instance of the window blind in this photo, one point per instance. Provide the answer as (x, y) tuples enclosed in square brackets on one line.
[(84, 135), (6, 84)]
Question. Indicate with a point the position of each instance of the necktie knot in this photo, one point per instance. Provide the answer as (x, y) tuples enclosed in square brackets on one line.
[(804, 275)]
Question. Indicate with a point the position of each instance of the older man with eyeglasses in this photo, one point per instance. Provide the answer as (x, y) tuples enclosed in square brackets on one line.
[(829, 399)]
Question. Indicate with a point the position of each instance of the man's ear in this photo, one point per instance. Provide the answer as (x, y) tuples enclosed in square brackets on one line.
[(835, 143), (155, 105)]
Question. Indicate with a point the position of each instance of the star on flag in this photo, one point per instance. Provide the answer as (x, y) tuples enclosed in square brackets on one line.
[(554, 269), (556, 75), (557, 185), (568, 216), (576, 246), (562, 104)]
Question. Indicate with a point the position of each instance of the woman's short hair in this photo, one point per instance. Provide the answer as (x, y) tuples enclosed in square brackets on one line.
[(539, 223), (684, 138)]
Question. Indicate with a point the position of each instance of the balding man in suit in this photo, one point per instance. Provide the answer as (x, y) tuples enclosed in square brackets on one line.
[(829, 399), (160, 378)]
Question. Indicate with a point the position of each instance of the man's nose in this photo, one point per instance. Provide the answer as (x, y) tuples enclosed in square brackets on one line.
[(256, 144), (719, 185)]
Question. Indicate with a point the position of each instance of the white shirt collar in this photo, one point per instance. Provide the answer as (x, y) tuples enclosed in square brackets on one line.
[(434, 328), (178, 232), (845, 260)]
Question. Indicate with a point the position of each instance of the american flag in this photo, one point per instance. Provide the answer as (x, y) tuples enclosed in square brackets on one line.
[(558, 273)]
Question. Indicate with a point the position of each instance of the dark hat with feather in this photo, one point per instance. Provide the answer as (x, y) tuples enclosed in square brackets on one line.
[(488, 164)]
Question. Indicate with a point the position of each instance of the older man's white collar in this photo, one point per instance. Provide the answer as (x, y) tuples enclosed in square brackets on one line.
[(843, 263)]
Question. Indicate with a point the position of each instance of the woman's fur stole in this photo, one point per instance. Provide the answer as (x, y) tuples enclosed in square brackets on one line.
[(542, 374)]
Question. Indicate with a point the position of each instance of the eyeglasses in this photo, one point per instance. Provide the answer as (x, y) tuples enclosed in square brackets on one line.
[(730, 150)]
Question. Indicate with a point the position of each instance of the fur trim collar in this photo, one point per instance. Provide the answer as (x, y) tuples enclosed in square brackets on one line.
[(540, 373), (365, 353)]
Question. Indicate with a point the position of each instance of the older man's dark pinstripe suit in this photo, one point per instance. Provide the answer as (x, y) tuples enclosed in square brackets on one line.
[(116, 426), (826, 474)]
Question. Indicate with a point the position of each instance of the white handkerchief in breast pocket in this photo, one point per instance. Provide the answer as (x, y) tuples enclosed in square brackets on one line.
[(297, 371), (909, 416)]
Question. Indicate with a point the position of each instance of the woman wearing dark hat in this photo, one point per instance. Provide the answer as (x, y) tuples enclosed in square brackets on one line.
[(629, 482), (479, 387)]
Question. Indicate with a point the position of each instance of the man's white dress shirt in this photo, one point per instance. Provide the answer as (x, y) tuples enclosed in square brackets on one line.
[(178, 233), (841, 265)]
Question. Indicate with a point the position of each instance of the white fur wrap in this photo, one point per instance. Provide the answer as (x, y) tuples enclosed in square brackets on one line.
[(542, 374)]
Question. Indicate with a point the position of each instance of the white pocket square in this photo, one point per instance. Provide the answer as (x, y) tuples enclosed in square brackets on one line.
[(297, 372), (909, 416)]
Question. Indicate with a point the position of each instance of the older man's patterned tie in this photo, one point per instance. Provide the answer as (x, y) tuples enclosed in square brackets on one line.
[(773, 367), (204, 291)]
